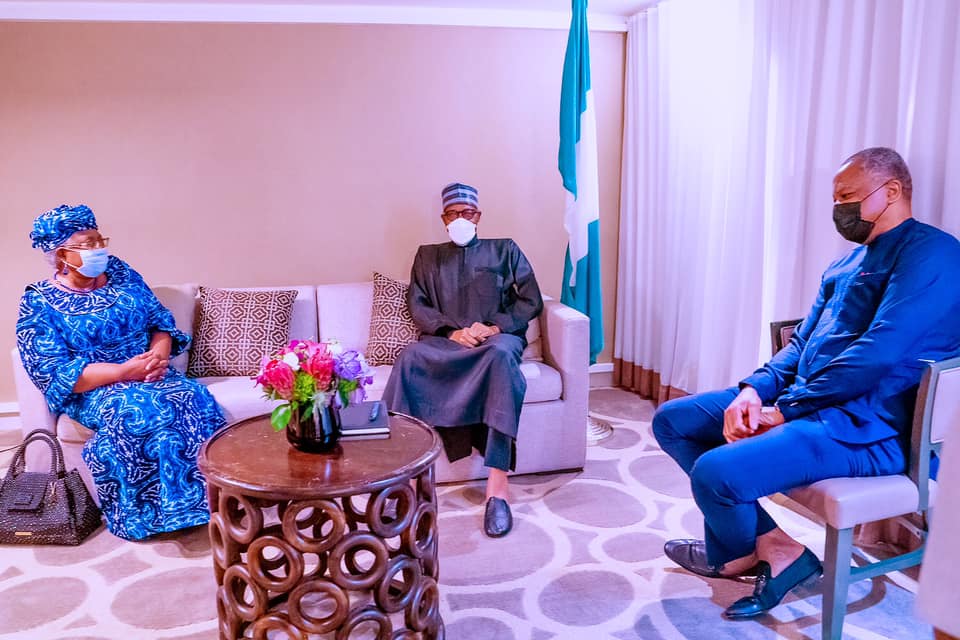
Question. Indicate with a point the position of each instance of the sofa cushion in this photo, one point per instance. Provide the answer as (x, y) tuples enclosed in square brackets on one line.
[(534, 350), (381, 374), (71, 431), (236, 329), (238, 396), (391, 326), (543, 382), (343, 313), (181, 301)]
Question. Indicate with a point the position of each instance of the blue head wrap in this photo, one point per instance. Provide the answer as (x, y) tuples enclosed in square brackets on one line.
[(459, 193), (52, 228)]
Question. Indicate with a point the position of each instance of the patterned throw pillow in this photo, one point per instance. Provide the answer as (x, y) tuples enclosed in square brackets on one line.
[(391, 326), (235, 329)]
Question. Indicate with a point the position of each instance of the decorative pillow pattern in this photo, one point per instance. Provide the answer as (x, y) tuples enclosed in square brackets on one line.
[(235, 329), (391, 325)]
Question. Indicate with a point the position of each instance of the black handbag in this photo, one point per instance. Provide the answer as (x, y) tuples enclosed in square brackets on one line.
[(45, 508)]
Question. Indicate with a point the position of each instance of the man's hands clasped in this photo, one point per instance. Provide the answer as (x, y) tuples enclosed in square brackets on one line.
[(474, 335), (746, 416)]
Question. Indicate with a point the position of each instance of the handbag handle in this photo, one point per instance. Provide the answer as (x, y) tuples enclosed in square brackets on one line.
[(57, 465)]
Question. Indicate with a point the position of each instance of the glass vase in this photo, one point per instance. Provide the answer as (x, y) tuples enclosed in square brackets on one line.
[(316, 431)]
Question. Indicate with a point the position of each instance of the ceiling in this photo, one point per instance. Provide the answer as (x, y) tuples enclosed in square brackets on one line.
[(603, 14), (616, 7)]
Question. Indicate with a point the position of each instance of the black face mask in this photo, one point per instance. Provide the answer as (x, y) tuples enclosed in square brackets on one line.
[(846, 217)]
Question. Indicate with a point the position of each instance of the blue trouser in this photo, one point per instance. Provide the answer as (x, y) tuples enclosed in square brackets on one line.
[(727, 479)]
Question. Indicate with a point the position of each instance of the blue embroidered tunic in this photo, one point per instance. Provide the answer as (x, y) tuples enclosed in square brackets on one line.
[(882, 312), (143, 453)]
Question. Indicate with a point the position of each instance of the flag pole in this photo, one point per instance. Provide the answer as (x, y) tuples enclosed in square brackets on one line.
[(578, 164)]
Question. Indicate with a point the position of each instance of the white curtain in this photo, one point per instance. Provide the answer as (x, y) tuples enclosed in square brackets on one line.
[(738, 113)]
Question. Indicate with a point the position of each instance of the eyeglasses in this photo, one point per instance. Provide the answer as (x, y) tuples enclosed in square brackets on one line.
[(466, 214), (102, 243)]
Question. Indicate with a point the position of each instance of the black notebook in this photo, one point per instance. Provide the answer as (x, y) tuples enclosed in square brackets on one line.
[(364, 419)]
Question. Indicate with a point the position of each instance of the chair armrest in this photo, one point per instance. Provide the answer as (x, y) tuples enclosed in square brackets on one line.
[(34, 413), (566, 347)]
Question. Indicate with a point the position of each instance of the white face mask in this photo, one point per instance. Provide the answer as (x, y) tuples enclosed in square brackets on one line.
[(93, 262), (462, 231)]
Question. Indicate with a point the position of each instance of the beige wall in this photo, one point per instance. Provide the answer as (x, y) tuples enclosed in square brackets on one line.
[(288, 154)]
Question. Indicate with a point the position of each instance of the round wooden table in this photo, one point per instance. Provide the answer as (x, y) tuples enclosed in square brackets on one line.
[(320, 545)]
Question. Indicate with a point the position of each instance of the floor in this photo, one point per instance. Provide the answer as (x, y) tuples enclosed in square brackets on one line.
[(583, 562)]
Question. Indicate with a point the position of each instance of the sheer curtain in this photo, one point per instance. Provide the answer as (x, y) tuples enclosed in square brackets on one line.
[(738, 113)]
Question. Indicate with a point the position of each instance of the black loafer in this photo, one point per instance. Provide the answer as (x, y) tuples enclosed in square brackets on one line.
[(497, 520), (768, 592), (692, 556)]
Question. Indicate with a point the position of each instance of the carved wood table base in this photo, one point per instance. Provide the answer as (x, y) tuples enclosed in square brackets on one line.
[(335, 564)]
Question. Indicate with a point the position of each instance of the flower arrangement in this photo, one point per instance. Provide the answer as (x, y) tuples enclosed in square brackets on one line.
[(309, 375)]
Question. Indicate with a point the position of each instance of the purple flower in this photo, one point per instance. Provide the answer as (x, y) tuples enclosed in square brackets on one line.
[(349, 365)]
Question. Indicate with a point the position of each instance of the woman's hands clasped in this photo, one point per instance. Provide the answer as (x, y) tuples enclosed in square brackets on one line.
[(158, 356), (151, 365), (148, 366)]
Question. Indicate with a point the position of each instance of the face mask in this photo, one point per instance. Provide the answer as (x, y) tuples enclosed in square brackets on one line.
[(462, 231), (94, 262), (849, 223)]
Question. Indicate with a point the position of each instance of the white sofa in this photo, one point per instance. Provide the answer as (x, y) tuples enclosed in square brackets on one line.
[(552, 423)]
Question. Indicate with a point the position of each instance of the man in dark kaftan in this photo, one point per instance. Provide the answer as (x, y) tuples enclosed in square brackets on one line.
[(472, 299)]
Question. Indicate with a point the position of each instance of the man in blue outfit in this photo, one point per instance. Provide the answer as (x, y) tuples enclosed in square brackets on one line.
[(836, 401)]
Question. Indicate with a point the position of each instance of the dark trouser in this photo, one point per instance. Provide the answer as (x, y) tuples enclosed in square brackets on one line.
[(728, 479), (499, 450)]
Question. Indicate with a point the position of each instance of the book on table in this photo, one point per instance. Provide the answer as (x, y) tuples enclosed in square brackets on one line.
[(364, 419)]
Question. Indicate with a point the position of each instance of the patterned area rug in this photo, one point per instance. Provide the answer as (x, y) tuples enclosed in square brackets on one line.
[(584, 562)]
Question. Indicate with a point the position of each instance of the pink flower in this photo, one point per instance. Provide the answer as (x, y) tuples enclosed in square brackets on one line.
[(319, 364), (277, 376), (305, 369), (310, 347)]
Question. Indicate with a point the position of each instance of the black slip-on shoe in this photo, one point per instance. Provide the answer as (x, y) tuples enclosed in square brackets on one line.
[(497, 519), (692, 556), (768, 592)]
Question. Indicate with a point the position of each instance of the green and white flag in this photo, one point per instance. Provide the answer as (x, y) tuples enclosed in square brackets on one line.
[(578, 167)]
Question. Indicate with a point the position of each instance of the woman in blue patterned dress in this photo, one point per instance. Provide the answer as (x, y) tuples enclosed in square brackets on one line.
[(97, 342)]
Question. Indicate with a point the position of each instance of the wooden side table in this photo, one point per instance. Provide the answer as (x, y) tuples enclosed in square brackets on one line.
[(320, 545)]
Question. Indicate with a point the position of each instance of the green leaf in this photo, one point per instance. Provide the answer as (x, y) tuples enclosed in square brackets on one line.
[(280, 417)]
